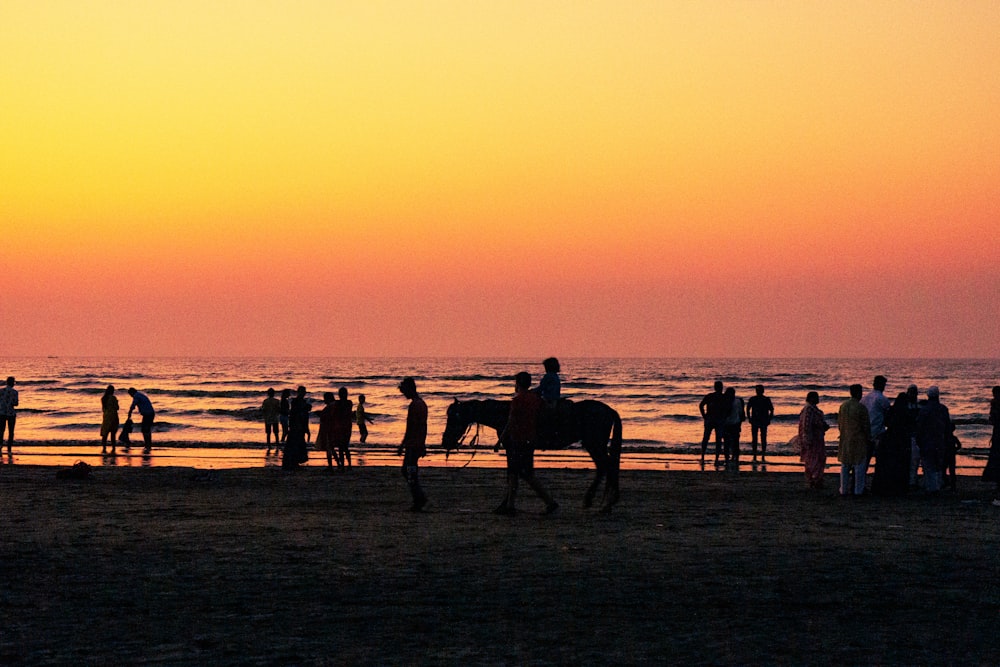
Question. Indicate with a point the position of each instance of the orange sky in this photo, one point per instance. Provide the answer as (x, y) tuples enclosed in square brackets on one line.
[(500, 179)]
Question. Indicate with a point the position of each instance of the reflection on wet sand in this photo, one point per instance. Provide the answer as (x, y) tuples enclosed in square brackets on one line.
[(232, 458)]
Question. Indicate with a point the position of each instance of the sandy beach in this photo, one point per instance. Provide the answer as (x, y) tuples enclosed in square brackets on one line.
[(260, 566)]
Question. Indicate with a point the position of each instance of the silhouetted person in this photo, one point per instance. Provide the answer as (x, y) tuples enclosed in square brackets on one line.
[(913, 407), (270, 410), (934, 433), (283, 414), (125, 437), (878, 411), (109, 419), (142, 402), (519, 439), (760, 411), (8, 411), (363, 417), (414, 445), (343, 423), (550, 387), (550, 391), (812, 440), (992, 471), (732, 425), (712, 408), (324, 437), (295, 453), (892, 453), (855, 434)]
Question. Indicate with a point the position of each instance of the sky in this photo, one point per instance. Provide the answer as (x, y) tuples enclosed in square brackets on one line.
[(440, 178)]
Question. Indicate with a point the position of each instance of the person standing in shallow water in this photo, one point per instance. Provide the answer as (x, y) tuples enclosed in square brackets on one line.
[(283, 413), (731, 428), (294, 452), (343, 422), (363, 417), (270, 411), (142, 402), (414, 445), (712, 410), (760, 411), (324, 439), (812, 440), (8, 411), (109, 419)]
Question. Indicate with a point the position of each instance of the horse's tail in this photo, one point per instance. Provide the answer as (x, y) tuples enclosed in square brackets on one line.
[(615, 450)]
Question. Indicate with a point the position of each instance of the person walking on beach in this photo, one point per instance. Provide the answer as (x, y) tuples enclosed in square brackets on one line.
[(812, 440), (142, 402), (732, 425), (109, 419), (414, 445), (712, 409), (760, 412), (934, 433), (855, 435), (343, 422), (363, 417), (271, 410), (8, 412), (294, 453), (991, 473), (519, 439), (283, 412), (878, 406)]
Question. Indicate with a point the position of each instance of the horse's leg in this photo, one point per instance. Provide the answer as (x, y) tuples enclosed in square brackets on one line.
[(601, 465)]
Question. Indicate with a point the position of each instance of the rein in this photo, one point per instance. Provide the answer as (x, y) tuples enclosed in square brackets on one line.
[(472, 443)]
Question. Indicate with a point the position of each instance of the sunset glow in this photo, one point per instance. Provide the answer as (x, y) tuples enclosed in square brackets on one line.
[(410, 178)]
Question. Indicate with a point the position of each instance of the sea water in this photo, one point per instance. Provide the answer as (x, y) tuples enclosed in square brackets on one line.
[(214, 403)]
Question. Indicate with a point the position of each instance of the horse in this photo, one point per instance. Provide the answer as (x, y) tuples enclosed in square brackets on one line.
[(593, 424)]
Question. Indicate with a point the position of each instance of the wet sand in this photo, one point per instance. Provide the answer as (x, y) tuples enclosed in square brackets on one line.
[(260, 566)]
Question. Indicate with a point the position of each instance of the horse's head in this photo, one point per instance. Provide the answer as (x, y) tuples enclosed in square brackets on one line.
[(456, 426)]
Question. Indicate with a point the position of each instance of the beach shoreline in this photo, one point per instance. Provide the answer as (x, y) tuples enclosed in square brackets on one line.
[(264, 566)]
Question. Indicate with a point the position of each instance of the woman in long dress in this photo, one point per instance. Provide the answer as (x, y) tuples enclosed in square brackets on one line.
[(109, 419), (892, 466), (812, 440), (992, 471), (295, 453)]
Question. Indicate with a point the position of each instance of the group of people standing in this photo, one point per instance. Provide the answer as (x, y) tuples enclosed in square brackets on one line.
[(724, 413), (110, 421), (902, 436), (336, 422)]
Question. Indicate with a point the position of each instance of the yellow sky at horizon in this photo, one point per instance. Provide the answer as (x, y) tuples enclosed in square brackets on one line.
[(651, 146)]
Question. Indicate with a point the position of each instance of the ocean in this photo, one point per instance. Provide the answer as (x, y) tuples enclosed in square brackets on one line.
[(213, 403)]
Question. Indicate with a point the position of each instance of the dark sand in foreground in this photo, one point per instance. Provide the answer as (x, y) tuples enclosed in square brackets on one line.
[(260, 566)]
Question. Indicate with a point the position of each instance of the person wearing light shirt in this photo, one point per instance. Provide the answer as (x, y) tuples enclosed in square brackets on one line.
[(142, 402)]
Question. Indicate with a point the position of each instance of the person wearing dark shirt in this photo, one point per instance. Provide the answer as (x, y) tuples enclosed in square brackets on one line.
[(414, 445), (519, 439), (295, 453), (713, 411), (760, 411), (343, 423)]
